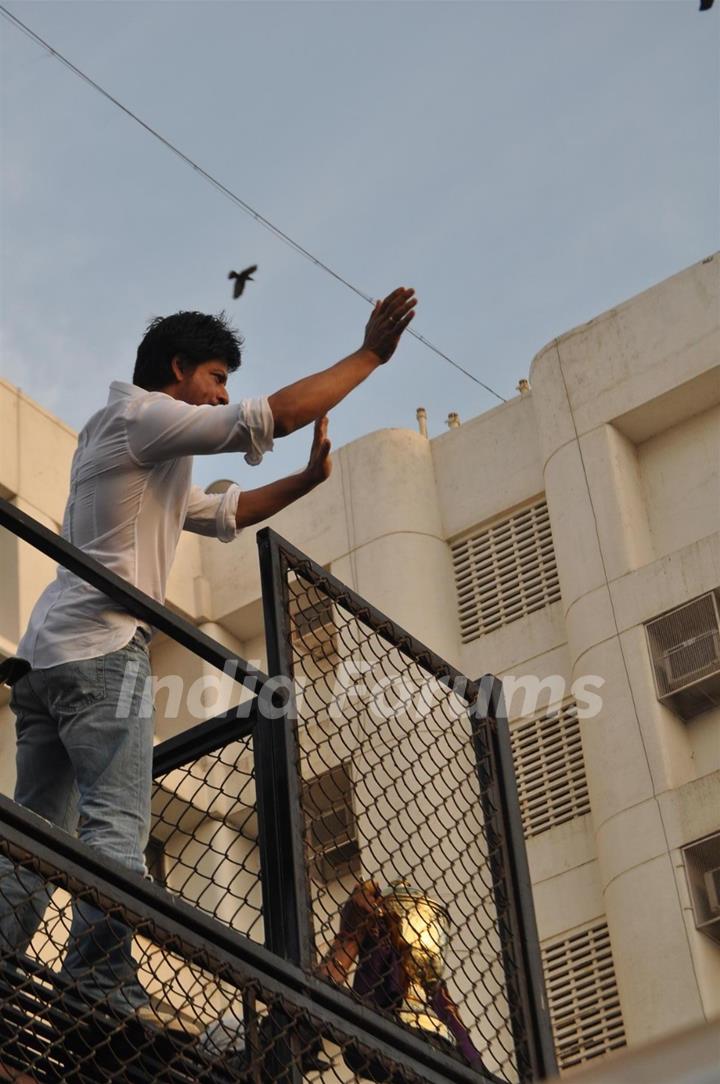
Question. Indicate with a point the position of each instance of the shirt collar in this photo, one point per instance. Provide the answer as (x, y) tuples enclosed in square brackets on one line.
[(120, 390)]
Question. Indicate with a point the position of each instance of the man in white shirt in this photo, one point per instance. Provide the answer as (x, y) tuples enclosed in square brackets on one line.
[(84, 754)]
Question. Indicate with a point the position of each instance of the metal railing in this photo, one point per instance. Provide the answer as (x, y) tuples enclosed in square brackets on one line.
[(268, 817)]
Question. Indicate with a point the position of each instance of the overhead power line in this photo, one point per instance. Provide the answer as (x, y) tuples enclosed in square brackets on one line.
[(228, 193)]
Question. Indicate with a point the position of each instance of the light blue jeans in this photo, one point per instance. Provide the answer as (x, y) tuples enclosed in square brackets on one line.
[(84, 762)]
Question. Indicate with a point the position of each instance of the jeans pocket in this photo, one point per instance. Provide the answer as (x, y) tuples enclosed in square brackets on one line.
[(72, 686), (128, 681), (16, 694)]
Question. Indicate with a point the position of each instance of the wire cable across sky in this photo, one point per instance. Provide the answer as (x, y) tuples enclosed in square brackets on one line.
[(228, 193)]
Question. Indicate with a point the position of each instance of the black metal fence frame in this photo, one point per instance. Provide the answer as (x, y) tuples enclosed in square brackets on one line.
[(529, 1015), (283, 965)]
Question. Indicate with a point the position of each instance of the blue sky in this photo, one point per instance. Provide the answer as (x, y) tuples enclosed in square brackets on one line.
[(523, 165)]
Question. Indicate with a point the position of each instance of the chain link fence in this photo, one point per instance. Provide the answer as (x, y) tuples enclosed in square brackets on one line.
[(213, 1017), (204, 838), (392, 799)]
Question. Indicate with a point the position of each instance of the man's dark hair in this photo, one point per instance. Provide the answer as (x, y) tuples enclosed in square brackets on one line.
[(194, 337)]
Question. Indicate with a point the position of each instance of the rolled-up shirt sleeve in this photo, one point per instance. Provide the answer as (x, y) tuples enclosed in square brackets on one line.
[(213, 514), (162, 428)]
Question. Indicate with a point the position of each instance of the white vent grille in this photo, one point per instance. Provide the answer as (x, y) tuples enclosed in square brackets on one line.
[(583, 997), (549, 769), (505, 572)]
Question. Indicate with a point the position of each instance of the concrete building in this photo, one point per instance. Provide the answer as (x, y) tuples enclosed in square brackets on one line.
[(539, 541)]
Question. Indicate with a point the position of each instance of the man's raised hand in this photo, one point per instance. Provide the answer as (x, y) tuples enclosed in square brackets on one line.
[(389, 319), (319, 465), (255, 505)]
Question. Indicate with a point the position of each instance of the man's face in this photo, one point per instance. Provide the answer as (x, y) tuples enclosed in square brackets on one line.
[(206, 383)]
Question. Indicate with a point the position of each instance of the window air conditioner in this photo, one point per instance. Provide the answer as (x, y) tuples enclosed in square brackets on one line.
[(684, 648), (712, 887), (693, 657), (702, 869), (312, 621), (330, 828)]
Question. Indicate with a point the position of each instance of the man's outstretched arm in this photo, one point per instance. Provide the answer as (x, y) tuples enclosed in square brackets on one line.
[(310, 398), (255, 505)]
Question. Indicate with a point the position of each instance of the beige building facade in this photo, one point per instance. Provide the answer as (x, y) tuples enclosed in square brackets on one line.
[(540, 541)]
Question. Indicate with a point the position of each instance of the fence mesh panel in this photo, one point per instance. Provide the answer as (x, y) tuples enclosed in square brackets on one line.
[(391, 794), (206, 834), (226, 1024)]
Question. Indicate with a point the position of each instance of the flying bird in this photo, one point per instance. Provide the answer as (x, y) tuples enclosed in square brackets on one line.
[(241, 278), (705, 5)]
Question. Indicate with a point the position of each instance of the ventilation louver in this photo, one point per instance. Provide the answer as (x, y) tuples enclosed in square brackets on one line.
[(505, 572), (685, 652), (550, 769), (583, 997)]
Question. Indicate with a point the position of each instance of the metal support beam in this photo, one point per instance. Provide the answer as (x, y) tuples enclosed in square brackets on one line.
[(530, 1018), (206, 737), (540, 1031), (286, 907)]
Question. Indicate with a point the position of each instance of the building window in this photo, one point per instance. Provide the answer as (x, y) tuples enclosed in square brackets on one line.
[(331, 832), (550, 769), (505, 572), (583, 997)]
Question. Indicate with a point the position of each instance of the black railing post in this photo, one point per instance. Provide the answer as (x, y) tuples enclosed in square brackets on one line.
[(280, 821), (530, 1018)]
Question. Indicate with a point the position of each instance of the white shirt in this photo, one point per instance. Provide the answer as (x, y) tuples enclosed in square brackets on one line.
[(131, 494)]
